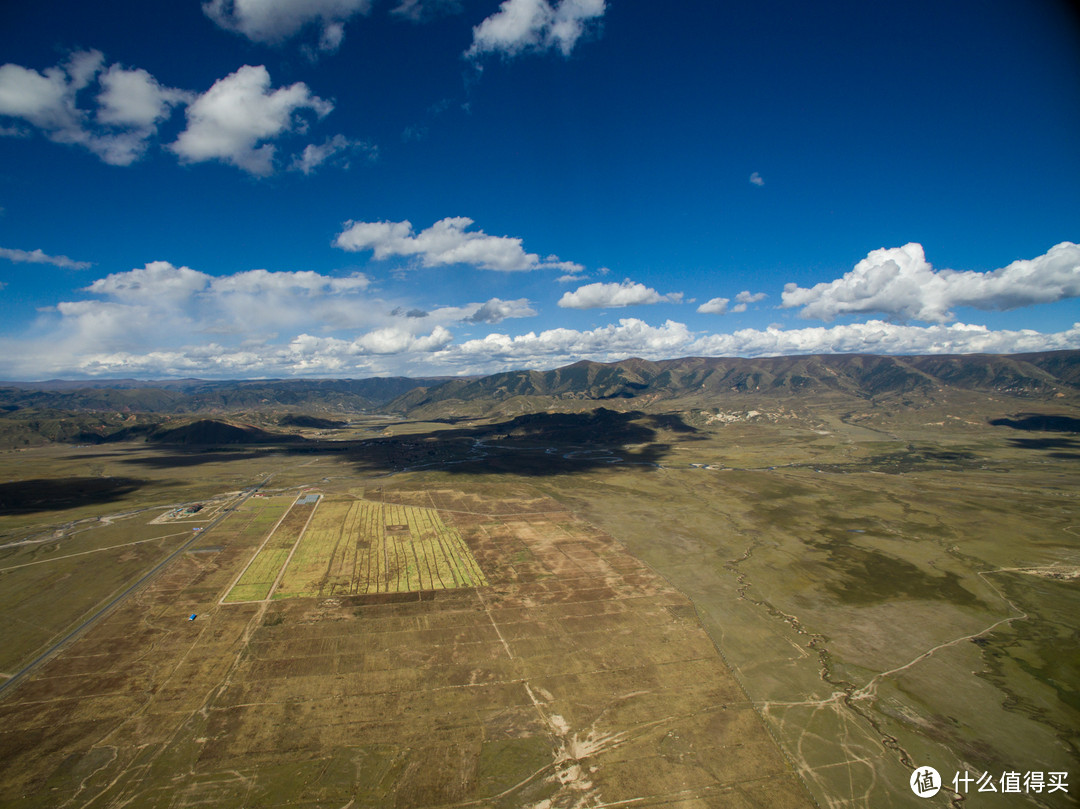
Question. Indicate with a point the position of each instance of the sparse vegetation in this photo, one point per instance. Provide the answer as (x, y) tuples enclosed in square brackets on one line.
[(512, 610)]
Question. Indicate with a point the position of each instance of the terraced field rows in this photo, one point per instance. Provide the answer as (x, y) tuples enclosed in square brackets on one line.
[(355, 547)]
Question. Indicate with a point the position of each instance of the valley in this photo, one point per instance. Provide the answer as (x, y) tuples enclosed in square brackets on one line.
[(556, 596)]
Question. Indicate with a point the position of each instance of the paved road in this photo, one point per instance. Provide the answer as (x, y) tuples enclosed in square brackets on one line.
[(5, 687)]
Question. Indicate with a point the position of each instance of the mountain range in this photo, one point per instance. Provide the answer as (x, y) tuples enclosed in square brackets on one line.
[(73, 411)]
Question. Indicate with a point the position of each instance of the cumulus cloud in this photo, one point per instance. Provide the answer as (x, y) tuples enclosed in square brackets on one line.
[(238, 113), (715, 306), (40, 257), (496, 311), (131, 104), (138, 333), (271, 22), (900, 283), (881, 337), (135, 98), (746, 297), (535, 25), (232, 122), (181, 300), (445, 242), (756, 179), (608, 296), (368, 354), (631, 337)]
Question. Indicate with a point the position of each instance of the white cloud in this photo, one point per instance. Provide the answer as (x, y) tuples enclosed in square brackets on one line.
[(496, 311), (135, 98), (445, 242), (271, 22), (756, 179), (900, 283), (131, 105), (715, 306), (880, 337), (374, 353), (239, 112), (392, 340), (184, 301), (744, 298), (424, 10), (630, 337), (39, 257), (635, 338), (158, 280), (534, 25), (140, 333), (46, 101), (606, 296), (336, 149)]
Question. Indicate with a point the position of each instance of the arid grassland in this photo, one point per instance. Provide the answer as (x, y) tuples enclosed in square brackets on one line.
[(762, 606)]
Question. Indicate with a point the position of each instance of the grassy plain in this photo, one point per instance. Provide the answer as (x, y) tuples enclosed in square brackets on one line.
[(892, 590), (575, 677), (762, 606)]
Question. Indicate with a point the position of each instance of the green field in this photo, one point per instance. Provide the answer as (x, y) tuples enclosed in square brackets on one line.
[(354, 547), (259, 576)]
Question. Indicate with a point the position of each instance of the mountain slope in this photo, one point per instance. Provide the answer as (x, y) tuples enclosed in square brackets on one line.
[(700, 379)]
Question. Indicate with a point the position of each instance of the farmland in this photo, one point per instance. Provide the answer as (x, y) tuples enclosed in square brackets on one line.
[(576, 675), (258, 578), (354, 547), (744, 608)]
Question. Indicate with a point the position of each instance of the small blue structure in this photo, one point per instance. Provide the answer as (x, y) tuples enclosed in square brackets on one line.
[(191, 617)]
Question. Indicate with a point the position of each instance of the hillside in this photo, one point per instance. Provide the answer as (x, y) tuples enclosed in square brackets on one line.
[(696, 381), (81, 413)]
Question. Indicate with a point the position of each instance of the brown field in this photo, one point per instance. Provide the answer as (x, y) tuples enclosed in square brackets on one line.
[(576, 677)]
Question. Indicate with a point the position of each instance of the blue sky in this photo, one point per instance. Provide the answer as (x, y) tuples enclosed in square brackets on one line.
[(252, 188)]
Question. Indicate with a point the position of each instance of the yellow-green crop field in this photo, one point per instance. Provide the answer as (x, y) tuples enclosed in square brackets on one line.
[(354, 547), (259, 576)]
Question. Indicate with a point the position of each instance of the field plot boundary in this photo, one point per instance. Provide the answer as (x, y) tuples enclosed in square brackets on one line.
[(364, 547), (266, 547)]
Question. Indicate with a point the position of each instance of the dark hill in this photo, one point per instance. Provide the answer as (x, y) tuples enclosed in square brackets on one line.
[(311, 422), (208, 432)]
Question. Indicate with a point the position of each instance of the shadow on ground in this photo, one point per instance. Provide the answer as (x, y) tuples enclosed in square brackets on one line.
[(57, 494), (533, 444), (1039, 422), (536, 444), (176, 457), (1064, 448)]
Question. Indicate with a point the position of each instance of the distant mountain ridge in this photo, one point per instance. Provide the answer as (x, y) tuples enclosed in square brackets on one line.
[(202, 396), (690, 381), (861, 376)]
